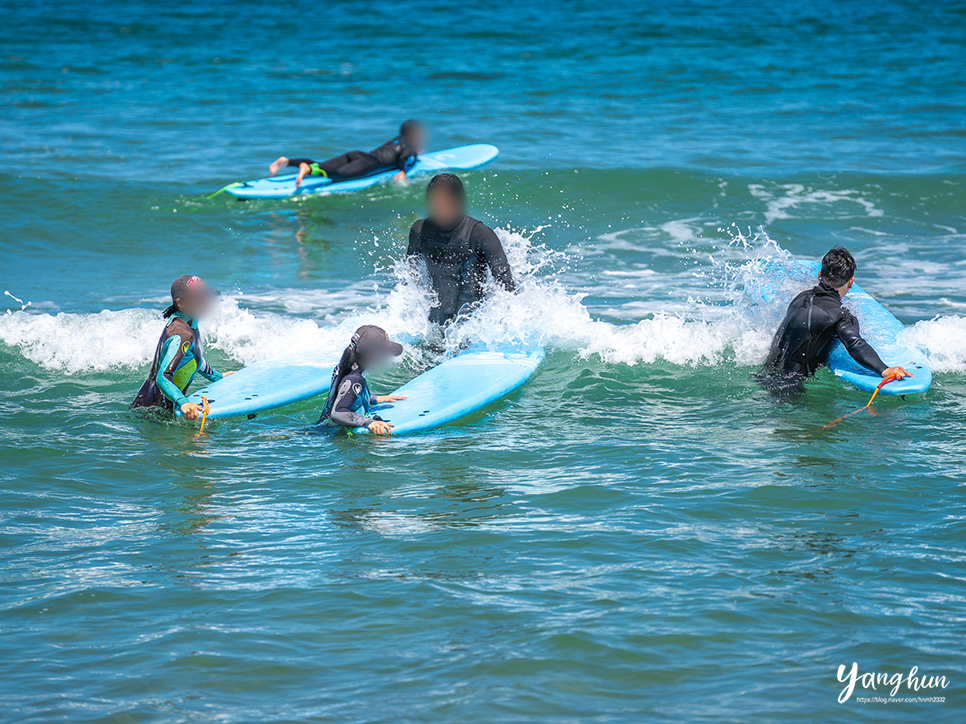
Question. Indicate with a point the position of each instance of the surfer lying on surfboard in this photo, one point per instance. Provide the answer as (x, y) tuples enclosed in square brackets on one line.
[(401, 152), (457, 250), (179, 356), (813, 320), (349, 397)]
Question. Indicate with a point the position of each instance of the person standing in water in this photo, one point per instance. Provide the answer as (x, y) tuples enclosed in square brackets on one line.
[(179, 357), (399, 153), (349, 398), (814, 319), (457, 250)]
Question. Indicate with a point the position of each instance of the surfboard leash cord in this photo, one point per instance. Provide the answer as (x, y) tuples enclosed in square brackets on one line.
[(204, 414), (234, 185), (878, 387)]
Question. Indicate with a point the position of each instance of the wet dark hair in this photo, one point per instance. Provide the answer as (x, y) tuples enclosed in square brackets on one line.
[(409, 126), (450, 182), (348, 363), (838, 267)]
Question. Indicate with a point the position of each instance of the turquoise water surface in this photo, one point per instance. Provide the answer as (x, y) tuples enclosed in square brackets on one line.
[(639, 533)]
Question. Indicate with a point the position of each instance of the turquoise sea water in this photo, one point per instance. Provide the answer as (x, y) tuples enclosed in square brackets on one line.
[(639, 534)]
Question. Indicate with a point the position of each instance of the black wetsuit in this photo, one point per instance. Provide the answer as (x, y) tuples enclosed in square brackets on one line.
[(350, 403), (457, 260), (394, 154), (814, 318)]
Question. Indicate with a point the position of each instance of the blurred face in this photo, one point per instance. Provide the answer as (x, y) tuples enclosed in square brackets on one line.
[(378, 362), (197, 307), (445, 209), (417, 139)]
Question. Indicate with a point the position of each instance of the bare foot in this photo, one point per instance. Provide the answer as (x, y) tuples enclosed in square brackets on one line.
[(282, 162), (304, 169)]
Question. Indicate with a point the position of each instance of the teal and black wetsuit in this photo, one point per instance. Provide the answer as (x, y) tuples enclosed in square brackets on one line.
[(394, 154), (348, 406), (176, 361)]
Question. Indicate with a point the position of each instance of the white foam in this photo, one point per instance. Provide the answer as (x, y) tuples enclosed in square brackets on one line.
[(682, 230), (127, 339), (943, 339), (543, 312), (780, 202), (729, 324), (77, 342)]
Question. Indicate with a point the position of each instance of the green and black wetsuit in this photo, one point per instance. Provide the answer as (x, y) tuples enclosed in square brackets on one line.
[(176, 361), (394, 154)]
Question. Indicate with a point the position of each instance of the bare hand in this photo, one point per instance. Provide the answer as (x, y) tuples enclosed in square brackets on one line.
[(190, 410), (400, 178), (389, 398), (899, 372), (304, 170), (380, 427), (225, 374)]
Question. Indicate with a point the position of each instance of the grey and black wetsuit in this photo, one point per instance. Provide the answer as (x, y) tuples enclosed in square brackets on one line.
[(394, 154), (349, 404), (177, 359), (814, 318), (457, 260)]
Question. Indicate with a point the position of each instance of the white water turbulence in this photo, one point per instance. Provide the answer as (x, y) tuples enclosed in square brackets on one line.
[(943, 339), (783, 200), (725, 321)]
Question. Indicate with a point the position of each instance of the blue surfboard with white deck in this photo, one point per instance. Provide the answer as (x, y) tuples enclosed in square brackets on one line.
[(877, 325), (458, 387), (264, 386), (279, 187)]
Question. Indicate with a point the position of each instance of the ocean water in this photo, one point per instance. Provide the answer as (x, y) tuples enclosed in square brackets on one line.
[(639, 533)]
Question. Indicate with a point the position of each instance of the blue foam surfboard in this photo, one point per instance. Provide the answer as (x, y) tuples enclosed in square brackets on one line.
[(458, 387), (877, 325), (264, 386), (278, 187)]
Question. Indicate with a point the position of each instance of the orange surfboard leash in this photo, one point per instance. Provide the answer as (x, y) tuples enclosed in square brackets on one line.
[(837, 420)]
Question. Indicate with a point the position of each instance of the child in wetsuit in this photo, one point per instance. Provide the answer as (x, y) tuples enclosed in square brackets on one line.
[(178, 356), (400, 153), (349, 397)]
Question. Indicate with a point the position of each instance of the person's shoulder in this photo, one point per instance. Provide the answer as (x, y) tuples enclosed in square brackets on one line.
[(417, 226), (847, 315), (355, 382), (177, 327), (478, 229)]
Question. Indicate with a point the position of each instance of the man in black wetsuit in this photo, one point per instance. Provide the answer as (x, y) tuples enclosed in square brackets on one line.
[(399, 153), (457, 250), (814, 318)]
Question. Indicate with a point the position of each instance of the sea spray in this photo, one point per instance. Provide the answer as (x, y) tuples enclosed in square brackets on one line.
[(21, 302), (726, 321)]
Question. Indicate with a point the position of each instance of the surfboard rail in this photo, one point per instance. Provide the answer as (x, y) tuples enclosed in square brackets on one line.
[(459, 387), (264, 386)]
